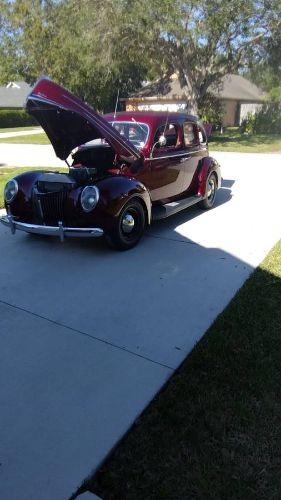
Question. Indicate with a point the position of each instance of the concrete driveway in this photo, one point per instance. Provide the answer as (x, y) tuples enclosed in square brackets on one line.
[(88, 335)]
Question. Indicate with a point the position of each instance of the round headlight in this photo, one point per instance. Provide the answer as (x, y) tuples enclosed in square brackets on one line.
[(89, 198), (11, 190)]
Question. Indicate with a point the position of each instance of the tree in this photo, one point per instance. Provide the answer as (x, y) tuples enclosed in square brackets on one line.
[(28, 27), (202, 40), (264, 66), (96, 48), (73, 42)]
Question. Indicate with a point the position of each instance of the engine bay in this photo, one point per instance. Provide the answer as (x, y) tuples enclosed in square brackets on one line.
[(100, 156), (94, 161), (89, 164)]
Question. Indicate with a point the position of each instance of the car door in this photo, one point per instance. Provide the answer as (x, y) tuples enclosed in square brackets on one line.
[(193, 153), (164, 178)]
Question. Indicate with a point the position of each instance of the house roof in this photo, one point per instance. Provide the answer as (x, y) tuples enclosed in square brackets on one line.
[(239, 88), (14, 94), (232, 87)]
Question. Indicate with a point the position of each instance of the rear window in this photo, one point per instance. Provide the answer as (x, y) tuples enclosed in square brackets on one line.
[(190, 134)]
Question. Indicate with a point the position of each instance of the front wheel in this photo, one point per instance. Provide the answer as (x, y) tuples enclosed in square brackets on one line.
[(129, 227), (211, 191)]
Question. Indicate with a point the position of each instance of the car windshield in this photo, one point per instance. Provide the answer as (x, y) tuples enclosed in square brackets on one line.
[(135, 132)]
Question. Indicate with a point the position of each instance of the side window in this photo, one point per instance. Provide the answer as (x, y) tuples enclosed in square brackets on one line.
[(202, 136), (171, 132), (190, 134)]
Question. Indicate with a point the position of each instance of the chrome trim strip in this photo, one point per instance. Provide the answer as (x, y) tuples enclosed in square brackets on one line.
[(60, 230), (176, 156)]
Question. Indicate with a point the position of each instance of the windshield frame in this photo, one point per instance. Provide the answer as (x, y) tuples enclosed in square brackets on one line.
[(142, 125)]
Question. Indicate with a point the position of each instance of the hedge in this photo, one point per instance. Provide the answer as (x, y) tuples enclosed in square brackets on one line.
[(15, 118), (266, 121)]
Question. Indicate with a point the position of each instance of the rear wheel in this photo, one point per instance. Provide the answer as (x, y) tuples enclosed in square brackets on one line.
[(211, 189), (129, 228)]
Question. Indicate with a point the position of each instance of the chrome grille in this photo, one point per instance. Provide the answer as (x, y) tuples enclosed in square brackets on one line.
[(52, 205)]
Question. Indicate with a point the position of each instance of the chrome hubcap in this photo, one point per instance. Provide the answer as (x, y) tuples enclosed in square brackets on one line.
[(128, 223), (211, 188)]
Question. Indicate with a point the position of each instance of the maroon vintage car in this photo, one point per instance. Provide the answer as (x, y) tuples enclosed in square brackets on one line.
[(132, 168)]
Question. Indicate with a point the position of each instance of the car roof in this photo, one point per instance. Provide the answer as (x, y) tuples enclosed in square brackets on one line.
[(150, 117)]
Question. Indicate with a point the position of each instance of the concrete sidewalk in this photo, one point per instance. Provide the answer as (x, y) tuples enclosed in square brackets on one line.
[(5, 135), (89, 335), (28, 155)]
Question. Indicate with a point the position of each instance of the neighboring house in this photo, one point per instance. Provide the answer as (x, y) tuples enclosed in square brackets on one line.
[(13, 95), (238, 95)]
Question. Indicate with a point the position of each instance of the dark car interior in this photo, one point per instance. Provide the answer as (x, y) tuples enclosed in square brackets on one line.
[(96, 156), (92, 161)]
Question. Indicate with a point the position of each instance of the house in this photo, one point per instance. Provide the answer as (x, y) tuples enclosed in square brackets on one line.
[(238, 96), (14, 94)]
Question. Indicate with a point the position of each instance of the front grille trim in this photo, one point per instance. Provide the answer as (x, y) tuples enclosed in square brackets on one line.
[(51, 206)]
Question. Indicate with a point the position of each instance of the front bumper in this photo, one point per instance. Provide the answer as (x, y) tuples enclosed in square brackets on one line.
[(60, 230)]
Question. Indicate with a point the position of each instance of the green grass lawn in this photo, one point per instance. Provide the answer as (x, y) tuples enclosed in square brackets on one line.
[(214, 432), (9, 173), (27, 139), (233, 140), (18, 129)]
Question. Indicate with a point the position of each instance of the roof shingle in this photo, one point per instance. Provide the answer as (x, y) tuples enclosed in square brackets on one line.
[(14, 96)]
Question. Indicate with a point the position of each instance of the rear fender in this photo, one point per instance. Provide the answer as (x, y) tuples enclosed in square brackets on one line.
[(208, 165)]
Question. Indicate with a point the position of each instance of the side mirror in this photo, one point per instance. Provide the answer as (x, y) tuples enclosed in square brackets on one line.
[(162, 141)]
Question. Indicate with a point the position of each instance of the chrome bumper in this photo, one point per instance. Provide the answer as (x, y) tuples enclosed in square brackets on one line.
[(60, 230)]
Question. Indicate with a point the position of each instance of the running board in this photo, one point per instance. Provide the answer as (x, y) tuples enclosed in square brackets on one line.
[(163, 211)]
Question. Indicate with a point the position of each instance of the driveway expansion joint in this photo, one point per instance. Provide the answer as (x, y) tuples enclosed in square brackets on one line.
[(85, 334)]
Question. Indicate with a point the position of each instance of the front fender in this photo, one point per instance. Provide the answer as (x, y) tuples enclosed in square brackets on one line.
[(22, 205), (208, 165), (117, 190)]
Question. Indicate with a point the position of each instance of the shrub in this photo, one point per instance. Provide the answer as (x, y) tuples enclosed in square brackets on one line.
[(275, 94), (15, 118), (247, 125), (266, 121)]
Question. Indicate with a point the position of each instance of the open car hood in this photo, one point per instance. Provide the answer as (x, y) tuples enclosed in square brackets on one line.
[(69, 122)]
